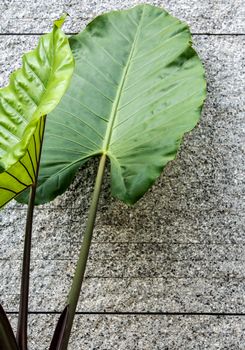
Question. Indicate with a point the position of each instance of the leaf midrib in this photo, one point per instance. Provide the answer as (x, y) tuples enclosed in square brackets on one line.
[(112, 117)]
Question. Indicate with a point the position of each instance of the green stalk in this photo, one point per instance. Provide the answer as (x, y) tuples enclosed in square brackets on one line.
[(84, 252), (21, 335)]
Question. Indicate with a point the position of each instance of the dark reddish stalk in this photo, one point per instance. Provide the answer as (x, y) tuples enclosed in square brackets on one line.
[(21, 335)]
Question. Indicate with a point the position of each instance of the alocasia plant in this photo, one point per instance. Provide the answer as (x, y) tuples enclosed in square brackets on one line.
[(33, 92), (138, 86)]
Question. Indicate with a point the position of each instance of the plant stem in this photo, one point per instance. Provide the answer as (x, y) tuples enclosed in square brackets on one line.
[(83, 255), (21, 335)]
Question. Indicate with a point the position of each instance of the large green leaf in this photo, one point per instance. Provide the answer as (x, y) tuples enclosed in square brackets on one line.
[(33, 92), (138, 86)]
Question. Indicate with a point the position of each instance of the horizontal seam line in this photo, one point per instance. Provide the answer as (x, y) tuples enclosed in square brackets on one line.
[(134, 313), (166, 278), (71, 33)]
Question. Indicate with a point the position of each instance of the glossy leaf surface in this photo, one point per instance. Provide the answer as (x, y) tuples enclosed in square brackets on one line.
[(34, 90), (138, 86)]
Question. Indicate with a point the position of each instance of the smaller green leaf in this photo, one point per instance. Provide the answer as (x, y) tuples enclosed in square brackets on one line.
[(7, 338), (33, 92), (58, 336)]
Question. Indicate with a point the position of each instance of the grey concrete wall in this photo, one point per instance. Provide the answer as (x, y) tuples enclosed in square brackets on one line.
[(168, 273)]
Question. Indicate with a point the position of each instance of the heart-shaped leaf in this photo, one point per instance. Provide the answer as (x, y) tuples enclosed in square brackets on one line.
[(33, 92), (7, 338), (138, 86)]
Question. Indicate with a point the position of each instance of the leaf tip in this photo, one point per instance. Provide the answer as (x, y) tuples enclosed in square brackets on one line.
[(60, 21)]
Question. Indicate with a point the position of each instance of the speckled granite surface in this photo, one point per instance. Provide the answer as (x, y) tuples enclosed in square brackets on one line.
[(181, 247), (107, 332), (219, 16)]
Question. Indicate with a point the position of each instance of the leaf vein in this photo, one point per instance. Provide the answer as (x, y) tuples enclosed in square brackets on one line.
[(81, 121), (106, 52), (81, 77), (77, 132), (146, 91), (158, 47), (118, 31), (99, 71), (35, 74), (72, 141), (86, 107), (14, 109), (154, 116)]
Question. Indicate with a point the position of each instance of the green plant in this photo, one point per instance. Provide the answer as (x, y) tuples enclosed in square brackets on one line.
[(33, 92), (137, 87)]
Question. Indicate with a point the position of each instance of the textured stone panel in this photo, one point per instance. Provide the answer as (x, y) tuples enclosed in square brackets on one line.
[(36, 16), (181, 247), (184, 241), (107, 332)]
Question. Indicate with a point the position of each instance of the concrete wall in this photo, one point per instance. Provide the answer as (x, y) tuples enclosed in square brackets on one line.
[(168, 273)]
